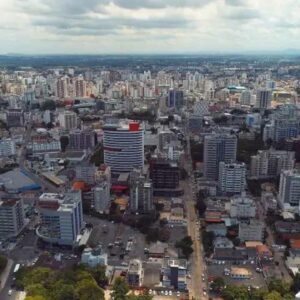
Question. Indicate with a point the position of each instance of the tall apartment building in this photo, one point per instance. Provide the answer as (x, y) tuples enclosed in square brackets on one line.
[(232, 177), (270, 163), (289, 188), (61, 217), (80, 87), (101, 197), (68, 120), (7, 147), (218, 148), (201, 108), (61, 86), (123, 147), (245, 97), (141, 193), (81, 139), (263, 98), (242, 207), (12, 216)]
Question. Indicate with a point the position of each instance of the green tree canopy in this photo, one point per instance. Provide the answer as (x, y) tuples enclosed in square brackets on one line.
[(120, 289)]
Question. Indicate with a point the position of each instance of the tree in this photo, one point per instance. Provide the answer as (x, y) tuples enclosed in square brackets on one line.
[(36, 289), (62, 291), (207, 241), (99, 275), (35, 298), (98, 157), (232, 292), (273, 296), (87, 289), (120, 289), (3, 263), (64, 142), (218, 284), (278, 285), (185, 245), (296, 283)]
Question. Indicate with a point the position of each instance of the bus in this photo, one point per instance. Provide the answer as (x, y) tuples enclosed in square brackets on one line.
[(17, 267)]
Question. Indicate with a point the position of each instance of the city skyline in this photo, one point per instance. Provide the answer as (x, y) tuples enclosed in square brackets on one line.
[(148, 27)]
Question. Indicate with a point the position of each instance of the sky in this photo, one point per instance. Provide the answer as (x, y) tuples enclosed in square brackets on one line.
[(148, 26)]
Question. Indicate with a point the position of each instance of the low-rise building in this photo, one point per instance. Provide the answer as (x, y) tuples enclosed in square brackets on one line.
[(135, 273), (242, 207), (94, 257), (174, 274)]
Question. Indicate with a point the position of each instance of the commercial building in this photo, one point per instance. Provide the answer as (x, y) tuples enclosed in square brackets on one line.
[(165, 176), (175, 99), (12, 216), (251, 230), (174, 274), (135, 273), (123, 147), (46, 147), (242, 207), (218, 148), (68, 120), (201, 108), (289, 188), (232, 177), (15, 117), (61, 217)]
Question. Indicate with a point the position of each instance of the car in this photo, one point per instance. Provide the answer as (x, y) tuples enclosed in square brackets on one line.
[(150, 292), (204, 293), (166, 293), (170, 293), (9, 292), (178, 294)]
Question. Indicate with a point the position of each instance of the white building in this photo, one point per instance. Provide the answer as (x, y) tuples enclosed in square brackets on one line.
[(12, 217), (61, 217), (53, 146), (68, 120), (7, 147), (123, 146), (242, 207), (232, 177), (289, 188), (201, 108)]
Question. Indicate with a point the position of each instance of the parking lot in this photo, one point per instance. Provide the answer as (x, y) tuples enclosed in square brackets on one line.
[(256, 280), (121, 242)]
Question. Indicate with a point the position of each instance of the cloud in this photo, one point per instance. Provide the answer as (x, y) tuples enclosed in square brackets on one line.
[(241, 14)]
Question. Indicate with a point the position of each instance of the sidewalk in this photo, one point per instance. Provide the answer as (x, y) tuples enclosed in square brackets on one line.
[(5, 274)]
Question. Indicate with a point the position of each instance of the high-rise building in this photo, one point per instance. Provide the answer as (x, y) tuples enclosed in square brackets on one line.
[(201, 108), (61, 90), (81, 139), (232, 177), (263, 98), (175, 99), (245, 98), (270, 163), (141, 193), (61, 217), (68, 120), (80, 87), (12, 216), (289, 188), (218, 148), (101, 197), (123, 146)]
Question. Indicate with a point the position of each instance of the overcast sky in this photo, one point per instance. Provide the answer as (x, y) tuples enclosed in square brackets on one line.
[(148, 26)]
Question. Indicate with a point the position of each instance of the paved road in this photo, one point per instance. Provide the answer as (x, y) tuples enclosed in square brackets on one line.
[(198, 265)]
